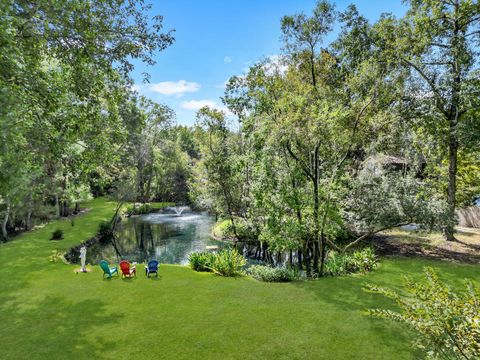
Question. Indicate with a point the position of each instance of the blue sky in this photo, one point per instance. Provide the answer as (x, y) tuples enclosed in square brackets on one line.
[(217, 39)]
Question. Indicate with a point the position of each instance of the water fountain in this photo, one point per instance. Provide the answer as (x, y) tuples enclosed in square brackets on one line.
[(178, 210), (169, 236)]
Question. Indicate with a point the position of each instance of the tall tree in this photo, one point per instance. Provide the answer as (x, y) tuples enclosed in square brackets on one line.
[(438, 40)]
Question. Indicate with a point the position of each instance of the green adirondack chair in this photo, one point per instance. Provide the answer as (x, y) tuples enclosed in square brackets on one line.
[(107, 270)]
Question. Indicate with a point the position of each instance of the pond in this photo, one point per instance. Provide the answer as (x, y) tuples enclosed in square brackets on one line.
[(169, 237)]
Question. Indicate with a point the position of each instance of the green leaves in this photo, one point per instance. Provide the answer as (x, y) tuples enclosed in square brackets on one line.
[(64, 72), (447, 321)]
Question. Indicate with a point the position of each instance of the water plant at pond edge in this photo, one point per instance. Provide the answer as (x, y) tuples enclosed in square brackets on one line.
[(228, 262), (448, 322), (201, 261)]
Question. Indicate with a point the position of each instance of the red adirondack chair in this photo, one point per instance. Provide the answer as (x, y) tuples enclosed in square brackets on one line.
[(127, 271)]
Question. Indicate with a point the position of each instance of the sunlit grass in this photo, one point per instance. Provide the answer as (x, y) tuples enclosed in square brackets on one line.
[(49, 312)]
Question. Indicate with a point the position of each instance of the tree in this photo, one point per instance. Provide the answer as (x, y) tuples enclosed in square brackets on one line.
[(438, 41), (302, 34), (219, 146), (63, 72)]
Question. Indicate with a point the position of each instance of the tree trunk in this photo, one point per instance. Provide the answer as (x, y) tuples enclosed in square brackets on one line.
[(5, 222), (453, 118), (452, 180), (317, 241), (147, 192), (323, 254), (57, 206), (28, 220), (306, 259), (64, 208), (316, 257)]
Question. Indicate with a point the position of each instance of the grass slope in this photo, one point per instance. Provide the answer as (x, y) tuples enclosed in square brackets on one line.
[(49, 312)]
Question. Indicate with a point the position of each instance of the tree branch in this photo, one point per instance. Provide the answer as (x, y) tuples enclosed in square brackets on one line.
[(370, 233), (299, 161), (429, 82)]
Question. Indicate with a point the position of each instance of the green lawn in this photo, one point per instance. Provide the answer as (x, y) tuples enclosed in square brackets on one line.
[(49, 312)]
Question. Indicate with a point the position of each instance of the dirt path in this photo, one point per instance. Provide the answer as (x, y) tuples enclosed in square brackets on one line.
[(409, 243)]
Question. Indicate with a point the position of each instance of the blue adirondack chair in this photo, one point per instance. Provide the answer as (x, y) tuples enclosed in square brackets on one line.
[(107, 270), (152, 268)]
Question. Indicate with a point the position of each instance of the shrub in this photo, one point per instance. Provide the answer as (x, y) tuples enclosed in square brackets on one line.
[(105, 231), (228, 262), (224, 230), (57, 256), (201, 261), (219, 230), (448, 322), (359, 261), (57, 235), (270, 274), (335, 264), (134, 209)]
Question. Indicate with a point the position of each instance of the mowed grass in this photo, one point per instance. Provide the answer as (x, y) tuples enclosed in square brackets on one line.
[(49, 312)]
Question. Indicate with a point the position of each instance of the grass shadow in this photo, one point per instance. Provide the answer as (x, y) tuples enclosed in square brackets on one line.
[(56, 328)]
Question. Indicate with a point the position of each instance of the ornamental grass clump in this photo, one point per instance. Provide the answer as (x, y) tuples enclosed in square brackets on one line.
[(201, 261), (448, 322), (227, 262)]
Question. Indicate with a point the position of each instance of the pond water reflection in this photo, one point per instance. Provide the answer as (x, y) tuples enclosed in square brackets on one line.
[(166, 237)]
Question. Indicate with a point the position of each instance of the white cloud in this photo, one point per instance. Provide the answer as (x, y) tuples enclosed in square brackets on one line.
[(227, 59), (196, 105), (174, 87)]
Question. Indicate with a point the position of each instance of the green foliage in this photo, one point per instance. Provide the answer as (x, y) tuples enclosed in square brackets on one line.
[(134, 209), (105, 231), (243, 306), (64, 82), (271, 274), (201, 261), (219, 230), (381, 199), (447, 321), (228, 262), (57, 256), (57, 234), (224, 230), (345, 263)]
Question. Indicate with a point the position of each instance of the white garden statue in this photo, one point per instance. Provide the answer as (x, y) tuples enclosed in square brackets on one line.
[(83, 258)]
